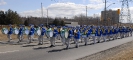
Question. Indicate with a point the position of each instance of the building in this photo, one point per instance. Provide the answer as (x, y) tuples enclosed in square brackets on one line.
[(112, 17)]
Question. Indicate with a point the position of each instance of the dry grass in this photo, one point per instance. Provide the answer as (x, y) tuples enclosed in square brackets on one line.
[(126, 54)]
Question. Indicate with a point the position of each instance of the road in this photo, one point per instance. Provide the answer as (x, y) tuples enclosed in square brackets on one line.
[(23, 51)]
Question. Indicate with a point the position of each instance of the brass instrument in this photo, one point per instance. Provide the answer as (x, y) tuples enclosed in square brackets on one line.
[(103, 30), (93, 31), (98, 31), (108, 30), (112, 30), (85, 32), (75, 32)]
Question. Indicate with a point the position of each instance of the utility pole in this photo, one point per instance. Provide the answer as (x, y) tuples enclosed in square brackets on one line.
[(86, 11), (105, 14), (47, 17), (42, 10)]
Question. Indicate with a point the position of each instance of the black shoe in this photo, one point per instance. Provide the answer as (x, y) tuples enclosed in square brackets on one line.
[(76, 46), (67, 47), (85, 44), (39, 44), (51, 46), (98, 42)]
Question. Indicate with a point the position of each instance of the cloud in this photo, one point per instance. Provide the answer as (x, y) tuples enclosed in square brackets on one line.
[(62, 10), (2, 2)]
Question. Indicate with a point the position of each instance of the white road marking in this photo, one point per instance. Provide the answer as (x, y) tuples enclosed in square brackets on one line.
[(9, 51)]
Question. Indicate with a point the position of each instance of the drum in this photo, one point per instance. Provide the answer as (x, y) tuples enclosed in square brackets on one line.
[(38, 32), (26, 31), (51, 33), (62, 34), (16, 31), (4, 31), (47, 34), (66, 34)]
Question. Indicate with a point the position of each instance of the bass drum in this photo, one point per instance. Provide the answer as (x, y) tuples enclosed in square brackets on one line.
[(38, 32), (4, 31), (16, 31), (66, 34), (62, 34), (26, 31), (51, 33)]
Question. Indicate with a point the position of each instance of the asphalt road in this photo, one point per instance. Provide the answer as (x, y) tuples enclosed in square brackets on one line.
[(23, 51)]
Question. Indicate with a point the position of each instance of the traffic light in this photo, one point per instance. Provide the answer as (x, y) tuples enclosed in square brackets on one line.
[(118, 11)]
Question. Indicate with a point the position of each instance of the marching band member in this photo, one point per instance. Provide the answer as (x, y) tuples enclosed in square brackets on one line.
[(20, 34), (93, 34), (59, 29), (41, 37), (63, 37), (109, 33), (52, 40), (131, 31), (98, 34), (86, 33), (113, 33), (77, 37), (117, 32), (31, 33), (70, 33), (104, 33), (10, 33)]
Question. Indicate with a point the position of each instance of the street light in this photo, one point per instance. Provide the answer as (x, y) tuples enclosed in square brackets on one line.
[(42, 13), (106, 8)]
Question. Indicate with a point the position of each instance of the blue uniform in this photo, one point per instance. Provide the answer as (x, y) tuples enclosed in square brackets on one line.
[(104, 32), (77, 36), (70, 33), (10, 31), (21, 31), (89, 33), (55, 33), (32, 30), (43, 31), (98, 32)]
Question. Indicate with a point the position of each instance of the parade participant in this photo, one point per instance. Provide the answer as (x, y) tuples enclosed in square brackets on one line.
[(114, 33), (104, 33), (31, 33), (117, 33), (55, 33), (20, 34), (70, 33), (77, 37), (59, 28), (81, 31), (85, 35), (121, 32), (98, 34), (93, 34), (10, 33), (88, 35), (131, 31), (41, 37), (109, 33), (63, 39)]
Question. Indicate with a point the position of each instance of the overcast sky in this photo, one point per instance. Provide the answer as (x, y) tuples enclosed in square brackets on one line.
[(60, 8)]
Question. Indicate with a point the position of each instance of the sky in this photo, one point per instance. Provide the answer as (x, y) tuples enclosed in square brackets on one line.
[(60, 8)]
